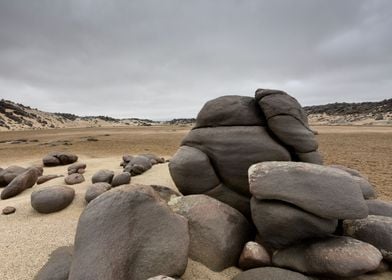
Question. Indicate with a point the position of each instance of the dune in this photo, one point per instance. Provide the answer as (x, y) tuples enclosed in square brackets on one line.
[(28, 237)]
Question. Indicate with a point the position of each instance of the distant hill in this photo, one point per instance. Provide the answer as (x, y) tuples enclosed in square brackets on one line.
[(14, 116), (364, 113)]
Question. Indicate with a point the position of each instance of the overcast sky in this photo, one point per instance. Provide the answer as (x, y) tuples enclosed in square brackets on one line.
[(165, 59)]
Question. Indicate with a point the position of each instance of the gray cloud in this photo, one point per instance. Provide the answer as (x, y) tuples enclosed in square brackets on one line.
[(164, 59)]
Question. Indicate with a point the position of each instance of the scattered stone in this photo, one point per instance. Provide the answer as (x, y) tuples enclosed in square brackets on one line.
[(121, 179), (137, 237), (280, 224), (58, 265), (9, 210), (138, 165), (270, 273), (92, 139), (338, 256), (96, 190), (59, 158), (22, 182), (52, 199), (9, 174), (375, 230), (253, 255), (45, 178), (74, 178), (217, 231), (379, 208), (103, 175), (77, 167), (324, 191)]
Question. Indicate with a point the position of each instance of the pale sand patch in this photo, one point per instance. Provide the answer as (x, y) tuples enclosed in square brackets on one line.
[(28, 237)]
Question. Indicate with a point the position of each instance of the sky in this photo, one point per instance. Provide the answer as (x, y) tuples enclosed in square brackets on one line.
[(165, 59)]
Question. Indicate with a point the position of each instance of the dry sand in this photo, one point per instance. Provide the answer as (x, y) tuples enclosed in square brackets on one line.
[(27, 237)]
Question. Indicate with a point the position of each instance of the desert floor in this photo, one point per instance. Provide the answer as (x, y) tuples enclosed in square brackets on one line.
[(28, 237)]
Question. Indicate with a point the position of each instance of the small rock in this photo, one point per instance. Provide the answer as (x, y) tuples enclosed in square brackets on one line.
[(74, 178), (103, 175), (20, 183), (52, 199), (96, 190), (338, 256), (45, 178), (217, 231), (9, 210), (74, 168), (253, 255), (375, 230), (121, 179), (58, 265), (270, 273)]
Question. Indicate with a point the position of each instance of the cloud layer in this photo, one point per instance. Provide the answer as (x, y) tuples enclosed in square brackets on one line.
[(164, 59)]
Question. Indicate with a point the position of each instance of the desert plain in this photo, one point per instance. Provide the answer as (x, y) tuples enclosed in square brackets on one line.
[(27, 237)]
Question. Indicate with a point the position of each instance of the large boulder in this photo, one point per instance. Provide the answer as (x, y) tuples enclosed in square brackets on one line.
[(270, 273), (58, 265), (129, 233), (9, 174), (138, 165), (121, 179), (376, 230), (324, 191), (280, 224), (230, 135), (288, 122), (52, 199), (21, 182), (59, 158), (336, 256), (379, 208), (217, 231)]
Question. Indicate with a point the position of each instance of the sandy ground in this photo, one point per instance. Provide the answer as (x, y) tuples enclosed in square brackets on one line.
[(27, 237)]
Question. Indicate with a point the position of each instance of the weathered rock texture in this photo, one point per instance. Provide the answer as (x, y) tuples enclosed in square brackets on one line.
[(58, 265)]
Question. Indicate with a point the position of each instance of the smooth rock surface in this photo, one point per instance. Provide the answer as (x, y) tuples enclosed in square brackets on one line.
[(379, 208), (253, 255), (280, 224), (375, 230), (324, 191), (10, 173), (336, 256), (217, 231), (270, 273), (58, 265), (96, 190), (129, 233), (104, 175), (52, 199)]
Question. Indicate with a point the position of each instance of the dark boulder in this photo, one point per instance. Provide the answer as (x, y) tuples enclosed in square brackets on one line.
[(52, 199), (217, 231), (280, 224), (253, 255), (77, 167), (59, 158), (129, 233), (58, 265), (270, 273), (138, 165), (121, 179), (9, 174), (324, 191), (376, 230), (336, 256)]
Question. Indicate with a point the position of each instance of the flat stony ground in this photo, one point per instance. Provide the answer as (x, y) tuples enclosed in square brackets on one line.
[(27, 237), (368, 149)]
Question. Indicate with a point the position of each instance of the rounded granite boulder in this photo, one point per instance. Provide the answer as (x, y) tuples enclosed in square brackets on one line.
[(52, 199)]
